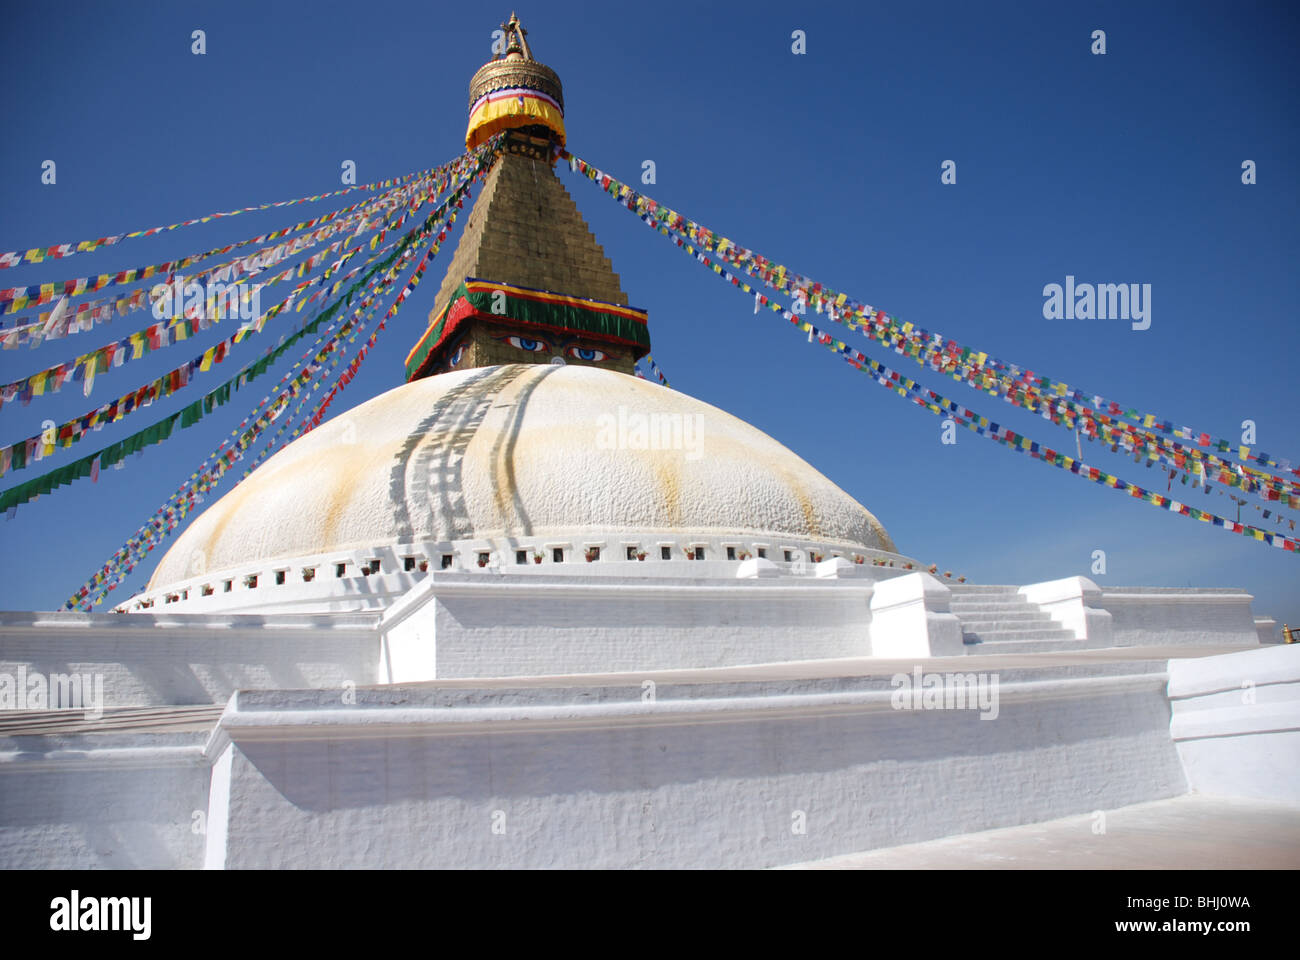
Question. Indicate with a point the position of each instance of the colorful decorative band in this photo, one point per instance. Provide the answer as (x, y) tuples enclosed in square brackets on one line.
[(514, 93), (506, 302), (514, 107)]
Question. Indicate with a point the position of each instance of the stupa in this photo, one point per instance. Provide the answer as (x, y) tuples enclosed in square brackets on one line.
[(528, 609), (522, 444)]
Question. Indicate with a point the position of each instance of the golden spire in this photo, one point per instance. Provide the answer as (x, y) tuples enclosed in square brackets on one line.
[(516, 38), (514, 91)]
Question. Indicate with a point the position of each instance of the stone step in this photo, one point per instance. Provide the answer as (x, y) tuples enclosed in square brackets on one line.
[(1040, 633), (1009, 626), (1002, 613), (988, 611), (1024, 646), (967, 588)]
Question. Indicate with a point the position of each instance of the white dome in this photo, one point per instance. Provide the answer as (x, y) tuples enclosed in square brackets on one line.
[(518, 451)]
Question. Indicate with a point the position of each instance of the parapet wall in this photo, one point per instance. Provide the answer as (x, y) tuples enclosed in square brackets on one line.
[(467, 626), (1153, 616), (150, 659), (1236, 721), (707, 775), (122, 802)]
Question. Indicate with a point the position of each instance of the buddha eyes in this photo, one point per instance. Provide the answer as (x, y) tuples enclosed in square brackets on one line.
[(532, 345), (524, 343)]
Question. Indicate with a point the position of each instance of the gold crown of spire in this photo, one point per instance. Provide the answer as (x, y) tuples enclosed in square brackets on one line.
[(516, 38), (512, 90)]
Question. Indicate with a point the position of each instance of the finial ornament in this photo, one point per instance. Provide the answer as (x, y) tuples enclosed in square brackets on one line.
[(512, 90), (516, 37)]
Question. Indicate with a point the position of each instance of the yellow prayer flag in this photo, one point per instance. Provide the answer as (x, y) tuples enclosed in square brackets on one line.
[(206, 363)]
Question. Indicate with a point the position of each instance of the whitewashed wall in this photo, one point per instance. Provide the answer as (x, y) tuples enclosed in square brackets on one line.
[(1236, 720), (467, 626), (709, 775), (1144, 616), (116, 802), (149, 659)]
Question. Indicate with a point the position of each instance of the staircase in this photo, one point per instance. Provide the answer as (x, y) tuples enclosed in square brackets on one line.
[(999, 620)]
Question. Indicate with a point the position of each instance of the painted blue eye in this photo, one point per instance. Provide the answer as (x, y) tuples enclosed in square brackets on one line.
[(523, 343), (582, 353), (455, 357)]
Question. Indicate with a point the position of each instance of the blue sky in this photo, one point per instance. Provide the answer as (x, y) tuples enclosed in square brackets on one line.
[(1117, 168)]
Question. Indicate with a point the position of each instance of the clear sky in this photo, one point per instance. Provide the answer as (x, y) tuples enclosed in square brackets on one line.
[(1124, 167)]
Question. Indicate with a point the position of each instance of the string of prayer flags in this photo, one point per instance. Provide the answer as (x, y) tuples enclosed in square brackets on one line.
[(961, 364), (18, 298), (654, 368), (156, 336), (853, 313), (938, 404), (169, 516), (172, 513), (26, 330), (15, 299), (63, 250), (346, 376), (1155, 448), (941, 405), (190, 415), (18, 455)]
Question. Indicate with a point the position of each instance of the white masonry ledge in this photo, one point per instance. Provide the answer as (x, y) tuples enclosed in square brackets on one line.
[(292, 716), (1172, 594), (1209, 675), (14, 621), (105, 758), (1236, 721)]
